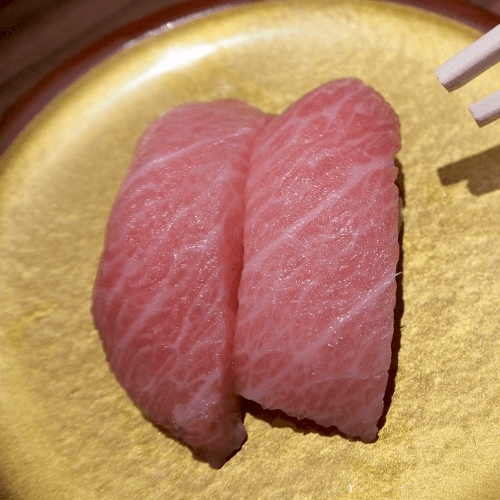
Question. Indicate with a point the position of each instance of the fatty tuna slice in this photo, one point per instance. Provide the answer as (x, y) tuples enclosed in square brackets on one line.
[(317, 292), (165, 297)]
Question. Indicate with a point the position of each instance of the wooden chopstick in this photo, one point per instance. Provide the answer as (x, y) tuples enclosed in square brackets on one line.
[(486, 110), (469, 63)]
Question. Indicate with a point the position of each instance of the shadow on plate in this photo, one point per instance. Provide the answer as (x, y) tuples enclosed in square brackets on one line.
[(398, 309), (278, 418), (481, 171), (5, 494)]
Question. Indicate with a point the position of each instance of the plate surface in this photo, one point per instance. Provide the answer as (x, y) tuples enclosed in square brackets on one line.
[(66, 427)]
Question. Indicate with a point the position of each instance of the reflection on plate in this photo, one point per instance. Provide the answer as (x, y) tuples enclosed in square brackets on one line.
[(69, 431)]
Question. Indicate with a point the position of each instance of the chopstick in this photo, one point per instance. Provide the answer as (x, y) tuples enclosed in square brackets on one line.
[(469, 63)]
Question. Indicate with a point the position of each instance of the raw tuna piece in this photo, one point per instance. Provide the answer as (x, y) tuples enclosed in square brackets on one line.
[(165, 298), (316, 297)]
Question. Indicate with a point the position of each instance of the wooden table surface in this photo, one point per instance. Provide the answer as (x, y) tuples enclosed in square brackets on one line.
[(38, 36)]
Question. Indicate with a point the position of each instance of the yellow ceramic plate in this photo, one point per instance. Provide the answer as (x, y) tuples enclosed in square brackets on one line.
[(68, 431)]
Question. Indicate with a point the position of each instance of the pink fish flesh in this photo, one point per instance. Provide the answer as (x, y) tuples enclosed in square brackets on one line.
[(165, 297), (317, 292)]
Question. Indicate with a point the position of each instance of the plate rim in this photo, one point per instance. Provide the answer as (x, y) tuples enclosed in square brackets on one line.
[(23, 110)]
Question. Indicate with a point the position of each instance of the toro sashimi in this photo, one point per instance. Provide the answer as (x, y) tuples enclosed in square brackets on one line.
[(165, 297), (317, 292), (255, 255)]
